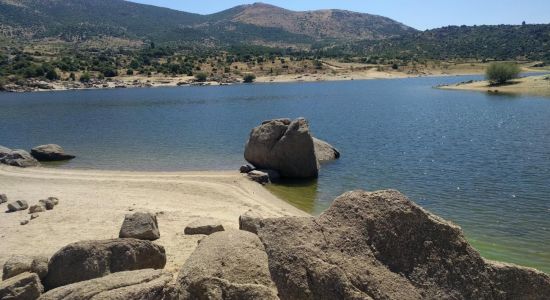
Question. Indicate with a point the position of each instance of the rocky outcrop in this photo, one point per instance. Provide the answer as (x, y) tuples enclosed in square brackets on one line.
[(283, 146), (145, 284), (25, 286), (19, 264), (92, 259), (142, 226), (227, 265), (325, 151), (17, 205), (19, 158), (204, 226), (50, 152), (380, 245)]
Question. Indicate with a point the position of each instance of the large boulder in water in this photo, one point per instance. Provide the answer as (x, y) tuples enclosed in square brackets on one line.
[(50, 152), (92, 259), (227, 265), (145, 284), (325, 151), (19, 158), (283, 146), (380, 245)]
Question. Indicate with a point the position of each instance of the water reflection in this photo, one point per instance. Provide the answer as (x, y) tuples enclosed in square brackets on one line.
[(300, 193)]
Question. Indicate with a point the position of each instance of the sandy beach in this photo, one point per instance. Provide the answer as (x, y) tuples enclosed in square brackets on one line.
[(93, 204), (531, 85)]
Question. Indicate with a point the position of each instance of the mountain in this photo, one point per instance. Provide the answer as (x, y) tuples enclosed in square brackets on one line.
[(258, 23)]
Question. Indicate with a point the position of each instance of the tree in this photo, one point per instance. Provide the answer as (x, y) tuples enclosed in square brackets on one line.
[(249, 78), (129, 72), (500, 73), (85, 77), (201, 76)]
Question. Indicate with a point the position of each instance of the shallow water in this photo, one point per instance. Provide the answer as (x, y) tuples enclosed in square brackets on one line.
[(480, 160)]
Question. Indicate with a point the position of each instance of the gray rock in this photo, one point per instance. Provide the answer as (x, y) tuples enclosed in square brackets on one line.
[(24, 222), (227, 265), (18, 205), (92, 259), (141, 226), (50, 152), (49, 204), (259, 176), (145, 284), (54, 200), (250, 221), (19, 158), (380, 245), (204, 226), (4, 151), (284, 146), (246, 168), (37, 208), (16, 265), (34, 216), (39, 266), (25, 286), (325, 151), (3, 198)]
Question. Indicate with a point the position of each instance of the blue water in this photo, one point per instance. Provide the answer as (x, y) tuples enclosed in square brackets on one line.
[(480, 160)]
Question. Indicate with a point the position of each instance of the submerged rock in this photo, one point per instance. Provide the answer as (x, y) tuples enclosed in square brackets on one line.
[(380, 245), (204, 226), (50, 152), (141, 226), (92, 259), (227, 265), (19, 158), (145, 284), (325, 151), (283, 146)]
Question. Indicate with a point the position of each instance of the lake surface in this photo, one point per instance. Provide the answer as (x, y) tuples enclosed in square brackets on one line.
[(482, 161)]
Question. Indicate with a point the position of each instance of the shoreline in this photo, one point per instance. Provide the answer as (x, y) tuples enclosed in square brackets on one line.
[(536, 85), (93, 204)]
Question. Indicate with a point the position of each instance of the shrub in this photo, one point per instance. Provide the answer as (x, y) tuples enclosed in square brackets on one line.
[(249, 78), (110, 73), (85, 77), (499, 73), (201, 76), (130, 72)]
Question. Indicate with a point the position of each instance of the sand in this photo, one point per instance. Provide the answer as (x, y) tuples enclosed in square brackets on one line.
[(93, 204), (531, 85)]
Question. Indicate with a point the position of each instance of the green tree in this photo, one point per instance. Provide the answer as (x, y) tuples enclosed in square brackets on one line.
[(129, 72), (499, 73), (249, 78), (85, 77), (201, 76)]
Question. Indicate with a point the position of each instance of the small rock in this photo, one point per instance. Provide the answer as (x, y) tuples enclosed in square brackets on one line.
[(54, 200), (50, 152), (246, 168), (16, 265), (25, 286), (40, 266), (273, 175), (24, 222), (18, 205), (3, 198), (141, 226), (37, 208), (325, 151), (259, 176), (204, 226), (249, 221), (47, 203), (34, 216)]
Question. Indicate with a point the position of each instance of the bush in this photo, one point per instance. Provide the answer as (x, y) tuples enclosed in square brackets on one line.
[(130, 72), (249, 78), (110, 73), (499, 73), (201, 76), (85, 77)]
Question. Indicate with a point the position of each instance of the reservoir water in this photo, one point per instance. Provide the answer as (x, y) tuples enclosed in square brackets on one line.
[(479, 160)]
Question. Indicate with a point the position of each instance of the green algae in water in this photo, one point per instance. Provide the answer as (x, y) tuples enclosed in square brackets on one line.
[(300, 193)]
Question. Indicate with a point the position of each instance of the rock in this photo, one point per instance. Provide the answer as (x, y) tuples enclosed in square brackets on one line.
[(227, 265), (37, 208), (205, 226), (50, 152), (246, 168), (147, 284), (25, 286), (141, 226), (17, 205), (16, 265), (24, 222), (284, 146), (19, 158), (273, 175), (3, 198), (92, 259), (259, 176), (54, 200), (34, 216), (380, 245), (40, 266), (4, 151), (325, 151), (250, 221), (47, 203)]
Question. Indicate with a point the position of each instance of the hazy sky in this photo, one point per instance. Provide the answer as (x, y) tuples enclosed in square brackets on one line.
[(421, 14)]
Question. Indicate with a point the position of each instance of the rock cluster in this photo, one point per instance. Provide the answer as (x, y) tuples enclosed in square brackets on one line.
[(24, 159), (17, 205)]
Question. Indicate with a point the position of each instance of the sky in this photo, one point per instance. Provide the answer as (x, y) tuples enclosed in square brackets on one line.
[(420, 14)]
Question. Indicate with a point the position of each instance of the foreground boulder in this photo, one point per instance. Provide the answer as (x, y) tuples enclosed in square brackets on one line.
[(142, 226), (227, 265), (19, 264), (145, 284), (382, 246), (19, 158), (204, 226), (92, 259), (50, 152), (25, 286), (325, 151), (283, 146), (17, 205)]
